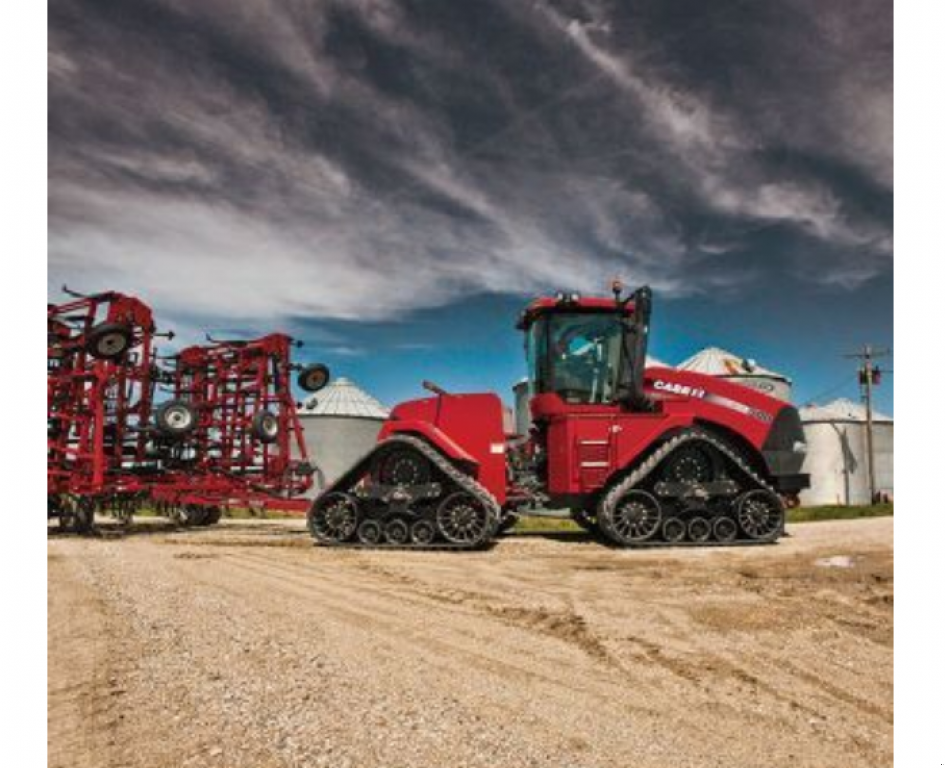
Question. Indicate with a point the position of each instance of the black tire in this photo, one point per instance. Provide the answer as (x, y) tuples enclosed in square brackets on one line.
[(84, 516), (108, 341), (265, 427), (212, 515), (190, 515), (313, 378), (176, 419)]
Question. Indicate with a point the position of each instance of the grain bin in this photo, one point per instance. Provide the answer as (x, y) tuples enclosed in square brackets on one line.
[(837, 456), (714, 361), (341, 423)]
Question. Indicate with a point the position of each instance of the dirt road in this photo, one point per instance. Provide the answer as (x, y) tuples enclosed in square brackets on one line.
[(245, 646)]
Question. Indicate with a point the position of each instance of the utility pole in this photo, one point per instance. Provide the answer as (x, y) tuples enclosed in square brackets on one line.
[(869, 377)]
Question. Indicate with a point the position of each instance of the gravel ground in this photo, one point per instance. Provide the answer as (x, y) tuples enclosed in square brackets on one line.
[(245, 646)]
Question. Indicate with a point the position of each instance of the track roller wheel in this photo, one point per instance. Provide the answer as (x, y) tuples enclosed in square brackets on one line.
[(636, 516), (674, 530), (760, 514), (724, 529), (464, 519), (422, 532), (370, 532), (108, 341), (699, 529), (333, 518), (396, 532)]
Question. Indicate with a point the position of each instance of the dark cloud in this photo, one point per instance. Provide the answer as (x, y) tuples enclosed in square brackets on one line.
[(255, 159)]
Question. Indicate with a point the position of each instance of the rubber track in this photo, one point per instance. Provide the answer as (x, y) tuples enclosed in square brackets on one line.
[(464, 481), (643, 471)]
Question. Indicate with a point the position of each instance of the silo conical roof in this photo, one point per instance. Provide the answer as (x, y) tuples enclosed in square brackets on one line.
[(841, 409), (342, 397), (715, 361)]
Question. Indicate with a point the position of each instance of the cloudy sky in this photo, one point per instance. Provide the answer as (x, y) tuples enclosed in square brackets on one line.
[(391, 180)]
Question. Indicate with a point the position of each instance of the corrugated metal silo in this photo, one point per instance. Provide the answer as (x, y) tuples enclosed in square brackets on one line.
[(341, 423), (837, 455), (742, 370)]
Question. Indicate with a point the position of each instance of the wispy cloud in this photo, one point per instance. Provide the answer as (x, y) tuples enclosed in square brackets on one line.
[(357, 160)]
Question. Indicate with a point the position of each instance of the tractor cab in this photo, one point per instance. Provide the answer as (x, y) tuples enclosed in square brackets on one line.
[(586, 351)]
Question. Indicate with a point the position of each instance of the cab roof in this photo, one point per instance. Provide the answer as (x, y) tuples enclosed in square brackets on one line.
[(570, 302)]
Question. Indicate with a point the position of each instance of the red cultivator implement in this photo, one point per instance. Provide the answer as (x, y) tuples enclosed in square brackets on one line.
[(100, 371), (224, 438), (230, 427)]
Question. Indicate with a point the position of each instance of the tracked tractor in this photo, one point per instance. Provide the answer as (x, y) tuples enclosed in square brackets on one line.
[(640, 456)]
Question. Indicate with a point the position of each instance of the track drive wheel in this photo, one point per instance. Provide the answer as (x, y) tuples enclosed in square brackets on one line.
[(402, 466), (634, 517), (333, 518), (465, 520)]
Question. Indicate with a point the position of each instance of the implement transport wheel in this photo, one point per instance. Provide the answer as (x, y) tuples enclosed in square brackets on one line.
[(464, 519), (700, 529), (175, 418), (635, 517), (397, 532), (108, 341), (312, 378), (674, 530), (725, 529), (84, 516), (422, 532), (333, 518), (212, 516), (761, 514), (370, 532), (265, 427)]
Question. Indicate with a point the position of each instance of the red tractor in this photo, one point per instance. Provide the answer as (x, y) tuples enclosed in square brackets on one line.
[(644, 457)]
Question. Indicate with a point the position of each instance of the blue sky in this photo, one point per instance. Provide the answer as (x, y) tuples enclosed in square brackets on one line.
[(392, 179)]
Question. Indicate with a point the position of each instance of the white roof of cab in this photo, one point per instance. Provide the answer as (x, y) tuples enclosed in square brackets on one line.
[(342, 397)]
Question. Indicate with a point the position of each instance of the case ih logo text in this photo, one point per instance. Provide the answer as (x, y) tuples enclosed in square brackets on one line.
[(678, 389)]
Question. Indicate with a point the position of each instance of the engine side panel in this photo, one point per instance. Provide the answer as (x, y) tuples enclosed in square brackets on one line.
[(468, 428)]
